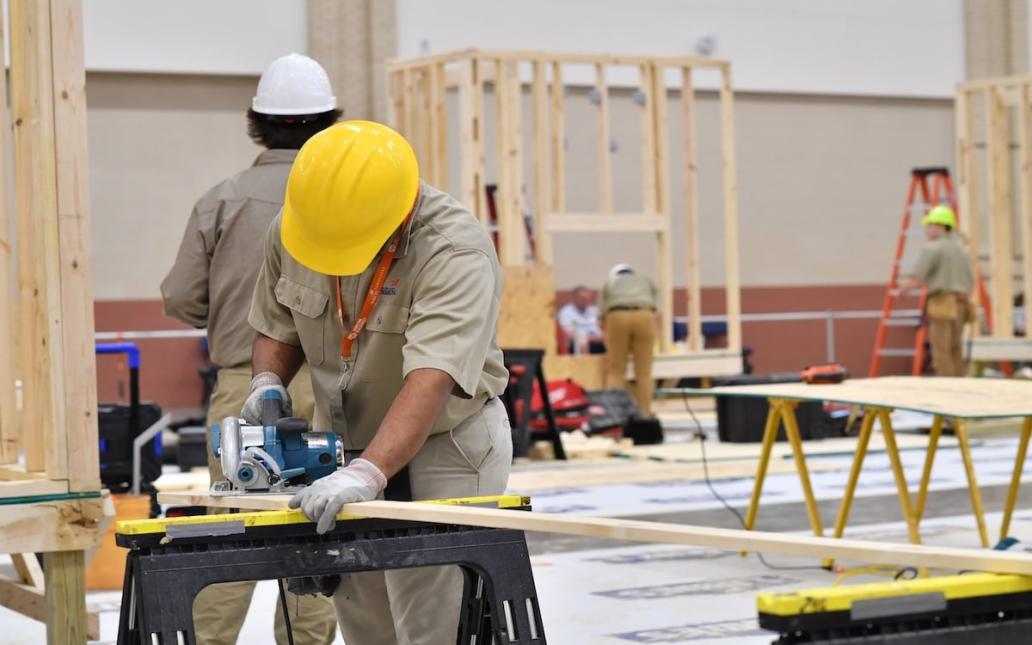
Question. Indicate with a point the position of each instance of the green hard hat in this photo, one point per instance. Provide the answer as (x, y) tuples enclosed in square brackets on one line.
[(941, 214)]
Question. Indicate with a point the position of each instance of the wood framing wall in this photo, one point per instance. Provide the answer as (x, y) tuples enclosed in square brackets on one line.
[(51, 503), (994, 193), (492, 89)]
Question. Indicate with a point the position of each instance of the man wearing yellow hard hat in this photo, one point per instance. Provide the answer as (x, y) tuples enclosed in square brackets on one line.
[(210, 286), (944, 267), (390, 289)]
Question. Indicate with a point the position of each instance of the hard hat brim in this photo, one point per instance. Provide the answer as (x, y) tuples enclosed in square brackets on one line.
[(322, 258)]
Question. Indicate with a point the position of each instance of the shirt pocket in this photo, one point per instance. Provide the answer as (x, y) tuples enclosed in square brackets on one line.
[(389, 319), (308, 307)]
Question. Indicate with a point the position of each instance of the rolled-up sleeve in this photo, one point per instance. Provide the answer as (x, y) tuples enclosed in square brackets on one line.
[(268, 316), (453, 316), (184, 291)]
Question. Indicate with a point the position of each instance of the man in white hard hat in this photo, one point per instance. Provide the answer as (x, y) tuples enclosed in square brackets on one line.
[(627, 304), (210, 286)]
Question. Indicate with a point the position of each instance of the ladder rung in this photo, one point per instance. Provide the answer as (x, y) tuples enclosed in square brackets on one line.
[(912, 292), (892, 351), (909, 321)]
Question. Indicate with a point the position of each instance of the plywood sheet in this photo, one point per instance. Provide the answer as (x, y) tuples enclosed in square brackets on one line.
[(527, 316), (965, 398)]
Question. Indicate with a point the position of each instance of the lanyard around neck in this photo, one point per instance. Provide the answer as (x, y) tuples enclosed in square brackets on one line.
[(372, 295)]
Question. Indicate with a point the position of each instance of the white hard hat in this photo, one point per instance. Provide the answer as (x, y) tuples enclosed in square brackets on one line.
[(620, 268), (294, 84)]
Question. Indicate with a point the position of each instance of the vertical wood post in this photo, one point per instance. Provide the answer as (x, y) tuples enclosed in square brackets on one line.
[(510, 163), (662, 170), (1025, 179), (731, 280), (967, 183), (1001, 254), (65, 597), (9, 431), (558, 140), (471, 133), (603, 161), (541, 165), (691, 211), (440, 127)]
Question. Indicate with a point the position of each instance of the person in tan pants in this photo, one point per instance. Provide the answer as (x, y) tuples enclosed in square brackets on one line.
[(628, 306), (210, 286), (944, 267)]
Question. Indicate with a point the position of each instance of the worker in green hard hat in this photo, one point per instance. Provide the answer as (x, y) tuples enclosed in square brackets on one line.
[(944, 268)]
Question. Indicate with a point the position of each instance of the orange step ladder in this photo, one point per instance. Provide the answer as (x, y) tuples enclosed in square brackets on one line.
[(928, 187)]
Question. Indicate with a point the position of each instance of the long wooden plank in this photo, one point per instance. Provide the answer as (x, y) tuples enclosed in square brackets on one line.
[(75, 444), (664, 249), (28, 569), (1025, 181), (1001, 252), (619, 529), (558, 139), (967, 183), (691, 211), (440, 127), (8, 304), (468, 130), (731, 276), (32, 114)]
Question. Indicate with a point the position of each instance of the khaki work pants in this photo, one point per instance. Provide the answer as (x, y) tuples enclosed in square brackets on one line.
[(631, 331), (219, 610), (947, 315), (421, 606)]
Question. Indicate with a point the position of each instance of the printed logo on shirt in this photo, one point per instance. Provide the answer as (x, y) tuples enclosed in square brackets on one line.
[(391, 289)]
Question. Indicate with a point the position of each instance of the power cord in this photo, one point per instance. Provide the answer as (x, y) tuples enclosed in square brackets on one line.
[(701, 436)]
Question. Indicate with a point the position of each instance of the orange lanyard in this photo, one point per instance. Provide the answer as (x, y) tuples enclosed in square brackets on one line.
[(372, 295)]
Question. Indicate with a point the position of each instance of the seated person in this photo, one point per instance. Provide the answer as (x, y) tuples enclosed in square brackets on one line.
[(579, 322)]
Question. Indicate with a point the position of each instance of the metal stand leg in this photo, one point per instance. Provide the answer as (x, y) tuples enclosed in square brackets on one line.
[(926, 474), (863, 439), (897, 471), (770, 434), (960, 429), (1015, 484), (792, 430)]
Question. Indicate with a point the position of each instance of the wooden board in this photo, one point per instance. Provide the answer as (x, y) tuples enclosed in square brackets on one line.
[(964, 398), (29, 602), (656, 532), (66, 525), (527, 316)]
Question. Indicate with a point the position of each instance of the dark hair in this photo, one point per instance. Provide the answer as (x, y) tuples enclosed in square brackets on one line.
[(288, 132)]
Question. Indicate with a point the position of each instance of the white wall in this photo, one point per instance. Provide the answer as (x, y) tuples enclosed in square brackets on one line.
[(867, 47), (192, 36)]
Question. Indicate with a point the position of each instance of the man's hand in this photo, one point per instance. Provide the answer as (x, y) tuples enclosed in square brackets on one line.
[(359, 481), (252, 410)]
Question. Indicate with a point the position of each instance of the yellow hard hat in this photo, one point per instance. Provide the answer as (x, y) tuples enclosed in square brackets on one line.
[(349, 189), (941, 214)]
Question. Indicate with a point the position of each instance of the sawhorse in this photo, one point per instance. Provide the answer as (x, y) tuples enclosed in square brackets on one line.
[(171, 560)]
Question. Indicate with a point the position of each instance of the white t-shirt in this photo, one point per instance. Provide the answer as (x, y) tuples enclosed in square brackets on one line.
[(579, 323)]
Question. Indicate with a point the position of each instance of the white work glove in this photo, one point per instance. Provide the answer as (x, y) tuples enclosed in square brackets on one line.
[(359, 481), (252, 410)]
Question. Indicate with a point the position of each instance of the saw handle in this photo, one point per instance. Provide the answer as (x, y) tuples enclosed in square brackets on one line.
[(272, 407), (291, 424)]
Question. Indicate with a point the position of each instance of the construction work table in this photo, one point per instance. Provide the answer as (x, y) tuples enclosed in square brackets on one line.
[(956, 400)]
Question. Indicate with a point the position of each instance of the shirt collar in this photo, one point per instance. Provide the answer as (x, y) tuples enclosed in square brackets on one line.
[(275, 155)]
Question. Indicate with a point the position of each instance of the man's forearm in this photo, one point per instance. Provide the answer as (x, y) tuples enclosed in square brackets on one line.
[(270, 355), (409, 420)]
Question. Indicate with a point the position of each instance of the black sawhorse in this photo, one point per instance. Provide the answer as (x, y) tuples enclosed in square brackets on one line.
[(166, 569), (525, 371)]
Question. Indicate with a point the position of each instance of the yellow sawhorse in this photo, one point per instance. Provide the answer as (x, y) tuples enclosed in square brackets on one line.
[(1015, 484), (782, 411)]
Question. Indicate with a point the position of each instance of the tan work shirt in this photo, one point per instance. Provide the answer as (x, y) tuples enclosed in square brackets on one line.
[(944, 266), (627, 290), (437, 309), (212, 281)]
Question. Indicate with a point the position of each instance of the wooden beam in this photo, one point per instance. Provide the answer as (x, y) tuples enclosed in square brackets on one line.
[(650, 197), (1025, 181), (29, 571), (967, 186), (30, 602), (558, 139), (664, 251), (691, 211), (35, 199), (658, 532), (603, 162), (606, 223), (440, 127), (63, 525), (508, 95), (65, 597), (1001, 253), (30, 487), (541, 164), (9, 432), (74, 447), (731, 280)]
